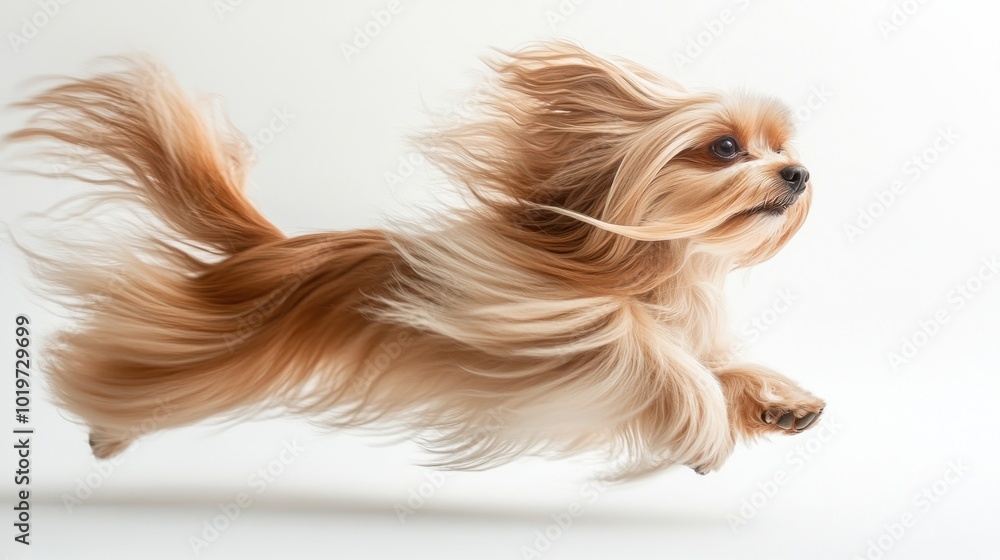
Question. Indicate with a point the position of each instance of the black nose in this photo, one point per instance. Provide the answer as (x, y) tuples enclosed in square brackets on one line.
[(796, 177)]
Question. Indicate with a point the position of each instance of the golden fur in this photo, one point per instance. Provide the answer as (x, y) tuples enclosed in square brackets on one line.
[(574, 305)]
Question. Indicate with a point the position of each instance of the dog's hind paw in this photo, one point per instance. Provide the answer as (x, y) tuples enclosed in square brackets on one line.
[(104, 444)]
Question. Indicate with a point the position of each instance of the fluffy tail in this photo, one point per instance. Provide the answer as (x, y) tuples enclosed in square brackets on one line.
[(142, 134), (175, 313)]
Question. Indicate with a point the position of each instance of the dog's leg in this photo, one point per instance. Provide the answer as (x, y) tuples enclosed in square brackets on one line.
[(692, 414), (763, 401), (105, 443)]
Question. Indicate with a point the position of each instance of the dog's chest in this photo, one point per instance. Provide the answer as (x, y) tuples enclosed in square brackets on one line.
[(695, 317)]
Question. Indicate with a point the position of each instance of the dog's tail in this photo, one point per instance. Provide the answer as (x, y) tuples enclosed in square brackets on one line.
[(145, 138), (192, 304)]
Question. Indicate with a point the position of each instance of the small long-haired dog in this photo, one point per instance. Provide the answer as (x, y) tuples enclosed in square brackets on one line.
[(574, 304)]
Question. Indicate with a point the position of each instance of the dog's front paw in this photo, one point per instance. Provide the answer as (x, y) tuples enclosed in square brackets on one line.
[(793, 417), (763, 402)]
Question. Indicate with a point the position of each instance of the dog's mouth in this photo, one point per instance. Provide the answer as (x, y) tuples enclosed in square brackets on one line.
[(770, 207)]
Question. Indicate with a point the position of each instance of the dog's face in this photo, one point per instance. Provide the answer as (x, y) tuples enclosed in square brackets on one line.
[(596, 151), (735, 182)]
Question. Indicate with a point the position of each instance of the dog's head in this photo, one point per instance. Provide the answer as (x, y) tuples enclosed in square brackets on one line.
[(732, 183), (590, 151)]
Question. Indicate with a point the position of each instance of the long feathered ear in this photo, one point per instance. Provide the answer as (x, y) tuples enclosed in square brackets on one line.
[(554, 127)]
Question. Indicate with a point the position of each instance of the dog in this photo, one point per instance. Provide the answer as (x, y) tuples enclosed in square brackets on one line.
[(573, 305)]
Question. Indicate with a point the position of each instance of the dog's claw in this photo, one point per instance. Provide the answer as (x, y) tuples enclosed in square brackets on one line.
[(789, 421), (806, 421)]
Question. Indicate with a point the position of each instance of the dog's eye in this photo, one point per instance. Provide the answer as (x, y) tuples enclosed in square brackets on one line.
[(726, 147)]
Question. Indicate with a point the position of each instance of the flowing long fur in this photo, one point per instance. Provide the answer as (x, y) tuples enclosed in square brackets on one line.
[(574, 305)]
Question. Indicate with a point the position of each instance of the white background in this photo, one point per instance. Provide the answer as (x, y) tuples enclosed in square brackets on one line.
[(869, 100)]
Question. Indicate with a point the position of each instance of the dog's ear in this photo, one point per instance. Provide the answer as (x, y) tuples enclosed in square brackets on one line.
[(572, 88), (555, 125)]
